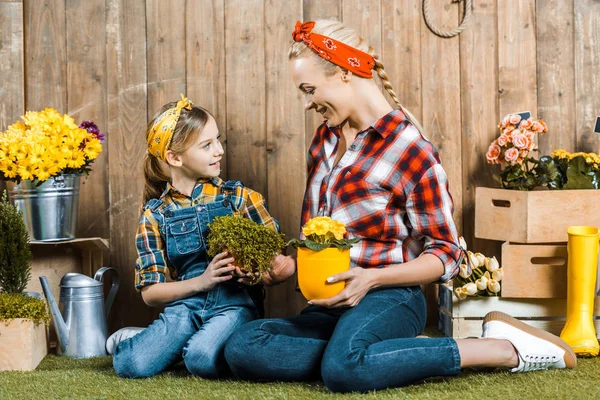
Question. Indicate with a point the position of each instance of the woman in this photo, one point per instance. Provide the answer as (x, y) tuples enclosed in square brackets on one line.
[(372, 169)]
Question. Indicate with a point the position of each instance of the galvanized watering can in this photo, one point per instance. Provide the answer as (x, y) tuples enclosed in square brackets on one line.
[(80, 319)]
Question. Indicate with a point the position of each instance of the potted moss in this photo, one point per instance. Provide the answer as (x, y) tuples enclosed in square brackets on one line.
[(23, 318), (252, 245)]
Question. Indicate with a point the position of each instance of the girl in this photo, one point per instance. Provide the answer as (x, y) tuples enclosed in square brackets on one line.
[(371, 168), (203, 306)]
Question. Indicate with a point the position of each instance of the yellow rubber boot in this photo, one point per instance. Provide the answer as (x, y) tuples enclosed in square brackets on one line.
[(579, 331)]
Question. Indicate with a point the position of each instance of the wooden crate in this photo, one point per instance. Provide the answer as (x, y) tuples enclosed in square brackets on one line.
[(22, 345), (463, 318), (539, 216), (534, 270)]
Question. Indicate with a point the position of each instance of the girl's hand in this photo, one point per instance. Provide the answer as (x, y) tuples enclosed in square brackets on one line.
[(219, 270), (358, 282)]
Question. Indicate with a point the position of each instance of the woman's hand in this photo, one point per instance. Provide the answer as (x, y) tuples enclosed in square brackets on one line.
[(358, 282), (282, 267), (219, 270)]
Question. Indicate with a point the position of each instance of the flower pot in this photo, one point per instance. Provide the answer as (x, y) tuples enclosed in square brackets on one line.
[(23, 344), (314, 267), (50, 209)]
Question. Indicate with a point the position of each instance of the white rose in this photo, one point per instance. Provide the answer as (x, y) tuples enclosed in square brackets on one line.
[(471, 288), (493, 286), (498, 274), (473, 259), (462, 243), (481, 283), (492, 264), (461, 293), (480, 258), (464, 272)]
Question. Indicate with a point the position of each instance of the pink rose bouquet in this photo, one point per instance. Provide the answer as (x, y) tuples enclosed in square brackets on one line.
[(512, 150)]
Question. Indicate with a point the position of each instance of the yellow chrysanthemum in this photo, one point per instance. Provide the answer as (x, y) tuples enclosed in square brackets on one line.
[(43, 144)]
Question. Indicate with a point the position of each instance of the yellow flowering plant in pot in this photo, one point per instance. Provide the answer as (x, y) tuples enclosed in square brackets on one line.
[(42, 158), (46, 144), (324, 252)]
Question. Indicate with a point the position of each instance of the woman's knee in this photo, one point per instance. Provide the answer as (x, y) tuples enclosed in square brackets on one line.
[(344, 373), (242, 343)]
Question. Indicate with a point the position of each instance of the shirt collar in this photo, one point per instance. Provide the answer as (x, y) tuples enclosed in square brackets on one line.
[(216, 181), (384, 125), (389, 122)]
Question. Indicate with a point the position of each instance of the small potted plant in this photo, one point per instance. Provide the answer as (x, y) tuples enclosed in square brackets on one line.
[(512, 151), (252, 245), (324, 252), (42, 158), (22, 317)]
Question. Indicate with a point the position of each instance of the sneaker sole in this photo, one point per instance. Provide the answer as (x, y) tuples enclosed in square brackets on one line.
[(570, 358)]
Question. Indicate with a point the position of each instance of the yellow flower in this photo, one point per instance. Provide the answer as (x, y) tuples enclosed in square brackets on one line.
[(338, 229), (9, 169), (320, 227), (307, 231), (43, 144)]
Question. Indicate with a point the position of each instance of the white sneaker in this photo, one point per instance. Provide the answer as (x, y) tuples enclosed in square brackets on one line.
[(119, 336), (536, 349)]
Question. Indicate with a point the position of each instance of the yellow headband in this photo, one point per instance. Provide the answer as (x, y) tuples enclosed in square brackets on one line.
[(161, 133)]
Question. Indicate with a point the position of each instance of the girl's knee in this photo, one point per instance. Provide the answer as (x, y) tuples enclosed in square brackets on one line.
[(204, 363), (128, 366)]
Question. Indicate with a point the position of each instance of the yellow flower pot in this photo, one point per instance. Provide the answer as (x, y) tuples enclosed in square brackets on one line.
[(314, 267)]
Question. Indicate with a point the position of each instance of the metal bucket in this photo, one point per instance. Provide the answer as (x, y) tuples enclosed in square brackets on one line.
[(49, 210)]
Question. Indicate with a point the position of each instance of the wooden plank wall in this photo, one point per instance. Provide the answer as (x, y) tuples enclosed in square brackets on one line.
[(117, 61)]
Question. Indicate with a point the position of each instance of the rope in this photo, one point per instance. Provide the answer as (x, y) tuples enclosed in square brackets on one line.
[(455, 31)]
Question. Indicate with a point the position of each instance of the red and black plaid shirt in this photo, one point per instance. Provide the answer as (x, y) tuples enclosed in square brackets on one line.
[(390, 190)]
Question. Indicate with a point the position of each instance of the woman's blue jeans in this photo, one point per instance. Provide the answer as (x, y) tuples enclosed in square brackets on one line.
[(368, 347)]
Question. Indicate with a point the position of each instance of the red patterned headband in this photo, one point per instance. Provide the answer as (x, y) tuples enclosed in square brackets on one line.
[(348, 57)]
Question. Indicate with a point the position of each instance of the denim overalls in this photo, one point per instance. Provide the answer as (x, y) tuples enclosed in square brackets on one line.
[(195, 328)]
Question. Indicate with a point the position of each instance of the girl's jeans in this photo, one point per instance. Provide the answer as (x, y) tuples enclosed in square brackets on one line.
[(195, 328)]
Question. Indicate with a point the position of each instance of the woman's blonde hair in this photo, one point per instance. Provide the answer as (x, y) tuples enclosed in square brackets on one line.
[(336, 30), (189, 125)]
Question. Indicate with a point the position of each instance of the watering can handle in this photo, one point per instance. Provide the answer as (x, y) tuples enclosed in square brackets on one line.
[(113, 288)]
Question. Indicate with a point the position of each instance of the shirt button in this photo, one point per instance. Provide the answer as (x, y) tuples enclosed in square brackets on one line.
[(321, 210), (353, 147), (199, 208)]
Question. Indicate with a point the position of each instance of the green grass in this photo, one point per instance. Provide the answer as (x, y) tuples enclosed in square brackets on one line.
[(59, 377)]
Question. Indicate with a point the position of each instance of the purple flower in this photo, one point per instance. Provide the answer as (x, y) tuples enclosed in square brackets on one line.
[(93, 129)]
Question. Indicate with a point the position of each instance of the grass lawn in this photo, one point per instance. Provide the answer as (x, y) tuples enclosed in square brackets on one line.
[(59, 377)]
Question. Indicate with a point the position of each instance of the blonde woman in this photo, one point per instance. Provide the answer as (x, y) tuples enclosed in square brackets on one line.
[(372, 169)]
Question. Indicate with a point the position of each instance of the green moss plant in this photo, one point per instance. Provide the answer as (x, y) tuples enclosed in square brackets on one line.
[(19, 305), (252, 245)]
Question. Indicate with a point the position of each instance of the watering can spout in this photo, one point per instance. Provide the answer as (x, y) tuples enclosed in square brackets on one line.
[(59, 322)]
